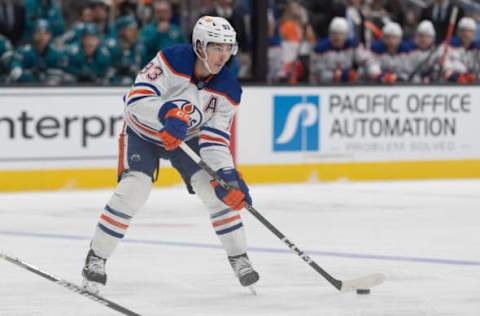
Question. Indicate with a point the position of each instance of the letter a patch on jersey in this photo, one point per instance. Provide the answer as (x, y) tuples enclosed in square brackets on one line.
[(211, 104)]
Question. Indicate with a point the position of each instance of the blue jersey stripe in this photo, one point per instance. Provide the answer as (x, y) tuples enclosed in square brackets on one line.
[(109, 231), (135, 99), (230, 229), (149, 85), (117, 213), (203, 145), (221, 213), (215, 131)]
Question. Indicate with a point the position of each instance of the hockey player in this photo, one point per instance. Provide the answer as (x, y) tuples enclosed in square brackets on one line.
[(339, 59), (462, 63), (184, 94), (423, 55), (390, 53)]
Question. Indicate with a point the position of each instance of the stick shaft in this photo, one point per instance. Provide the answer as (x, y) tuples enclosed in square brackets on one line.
[(69, 285)]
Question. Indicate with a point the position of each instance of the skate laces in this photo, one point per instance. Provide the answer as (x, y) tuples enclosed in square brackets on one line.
[(242, 265), (96, 265)]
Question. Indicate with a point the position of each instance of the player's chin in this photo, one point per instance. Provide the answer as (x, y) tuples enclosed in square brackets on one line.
[(215, 68)]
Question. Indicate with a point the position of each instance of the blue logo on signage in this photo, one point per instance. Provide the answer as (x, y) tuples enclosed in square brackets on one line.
[(296, 122)]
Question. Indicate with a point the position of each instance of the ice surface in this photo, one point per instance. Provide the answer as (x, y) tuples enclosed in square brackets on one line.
[(424, 236)]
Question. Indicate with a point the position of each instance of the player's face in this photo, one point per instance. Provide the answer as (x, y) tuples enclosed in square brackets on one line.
[(218, 55), (423, 41), (392, 42), (338, 39), (467, 36)]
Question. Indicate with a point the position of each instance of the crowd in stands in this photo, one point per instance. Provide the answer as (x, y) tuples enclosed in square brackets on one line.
[(319, 42)]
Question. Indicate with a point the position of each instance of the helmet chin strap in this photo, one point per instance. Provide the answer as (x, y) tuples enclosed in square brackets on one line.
[(204, 60)]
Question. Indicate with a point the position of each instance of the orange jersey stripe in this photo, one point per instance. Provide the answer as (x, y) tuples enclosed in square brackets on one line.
[(225, 221), (140, 91), (113, 222), (215, 139)]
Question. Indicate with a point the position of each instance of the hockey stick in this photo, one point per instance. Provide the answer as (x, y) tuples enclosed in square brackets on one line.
[(69, 285), (451, 28), (343, 286)]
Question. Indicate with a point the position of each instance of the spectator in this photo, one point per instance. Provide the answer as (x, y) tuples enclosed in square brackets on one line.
[(39, 62), (74, 34), (390, 53), (161, 33), (99, 9), (12, 20), (462, 64), (43, 9), (424, 54), (297, 36), (340, 59), (439, 13), (89, 60), (128, 54), (6, 52)]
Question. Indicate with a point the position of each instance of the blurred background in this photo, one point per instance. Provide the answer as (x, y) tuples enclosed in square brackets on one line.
[(67, 42)]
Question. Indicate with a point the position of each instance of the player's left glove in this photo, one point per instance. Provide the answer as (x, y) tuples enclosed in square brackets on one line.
[(175, 122), (237, 197)]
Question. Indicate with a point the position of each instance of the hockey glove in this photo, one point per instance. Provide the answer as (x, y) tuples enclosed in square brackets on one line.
[(346, 75), (175, 122), (237, 197), (388, 77)]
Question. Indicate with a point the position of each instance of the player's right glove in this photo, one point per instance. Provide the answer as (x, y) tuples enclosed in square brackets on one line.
[(237, 197), (175, 122)]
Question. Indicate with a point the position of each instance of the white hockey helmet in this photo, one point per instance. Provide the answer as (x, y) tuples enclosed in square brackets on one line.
[(426, 28), (214, 29), (338, 25), (392, 29), (467, 23)]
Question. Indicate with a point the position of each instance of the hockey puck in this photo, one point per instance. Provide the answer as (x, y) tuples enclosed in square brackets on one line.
[(363, 291)]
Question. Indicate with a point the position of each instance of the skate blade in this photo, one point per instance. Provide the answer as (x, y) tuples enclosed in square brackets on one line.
[(91, 287), (252, 290)]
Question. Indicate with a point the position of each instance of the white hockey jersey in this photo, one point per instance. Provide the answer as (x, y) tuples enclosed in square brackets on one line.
[(462, 59), (393, 63), (211, 104), (327, 59)]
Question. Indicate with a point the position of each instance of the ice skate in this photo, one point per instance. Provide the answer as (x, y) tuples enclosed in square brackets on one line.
[(244, 271), (93, 272)]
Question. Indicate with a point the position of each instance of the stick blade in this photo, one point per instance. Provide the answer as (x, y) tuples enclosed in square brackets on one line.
[(363, 283)]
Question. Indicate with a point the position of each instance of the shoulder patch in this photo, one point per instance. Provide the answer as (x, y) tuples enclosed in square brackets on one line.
[(179, 59), (225, 84), (456, 41), (323, 46)]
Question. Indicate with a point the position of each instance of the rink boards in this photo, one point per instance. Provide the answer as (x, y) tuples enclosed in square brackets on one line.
[(62, 138)]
